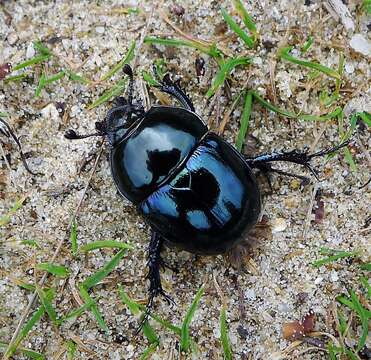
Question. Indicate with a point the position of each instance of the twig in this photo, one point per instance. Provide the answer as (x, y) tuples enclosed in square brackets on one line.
[(309, 212), (56, 253)]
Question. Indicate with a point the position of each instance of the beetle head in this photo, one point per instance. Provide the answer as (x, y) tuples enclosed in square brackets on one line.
[(122, 115)]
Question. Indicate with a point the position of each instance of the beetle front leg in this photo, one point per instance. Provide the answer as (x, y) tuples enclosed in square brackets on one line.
[(172, 88), (154, 264), (294, 156)]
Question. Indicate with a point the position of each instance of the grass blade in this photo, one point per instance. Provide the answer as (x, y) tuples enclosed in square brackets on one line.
[(43, 81), (136, 310), (93, 308), (33, 61), (102, 273), (305, 117), (114, 91), (245, 119), (211, 50), (47, 304), (105, 244), (76, 77), (235, 28), (364, 316), (185, 337), (147, 77), (32, 243), (41, 48), (149, 351), (5, 219), (307, 44), (224, 335), (366, 117), (366, 266), (284, 54), (128, 57), (75, 313), (73, 238), (246, 18), (224, 71), (335, 255), (71, 349), (29, 353), (14, 78), (54, 269), (28, 327)]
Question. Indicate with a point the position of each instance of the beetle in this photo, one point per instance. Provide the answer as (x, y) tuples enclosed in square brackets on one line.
[(194, 189)]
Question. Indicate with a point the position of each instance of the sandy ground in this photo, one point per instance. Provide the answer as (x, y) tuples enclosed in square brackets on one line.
[(278, 283)]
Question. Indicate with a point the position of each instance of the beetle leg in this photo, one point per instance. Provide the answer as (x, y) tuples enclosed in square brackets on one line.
[(294, 156), (173, 88), (266, 169), (154, 263)]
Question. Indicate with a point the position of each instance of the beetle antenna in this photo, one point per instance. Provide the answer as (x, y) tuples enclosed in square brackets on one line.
[(129, 71)]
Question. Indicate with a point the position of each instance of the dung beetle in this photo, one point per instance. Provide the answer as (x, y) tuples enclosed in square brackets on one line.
[(195, 190)]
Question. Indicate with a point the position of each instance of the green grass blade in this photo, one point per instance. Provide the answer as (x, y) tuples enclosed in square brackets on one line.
[(349, 159), (33, 61), (41, 48), (224, 72), (15, 78), (5, 219), (3, 114), (148, 352), (47, 304), (28, 327), (245, 120), (76, 77), (366, 117), (29, 353), (366, 7), (211, 50), (227, 351), (97, 277), (32, 243), (93, 308), (284, 54), (71, 349), (101, 244), (43, 81), (235, 28), (151, 81), (126, 60), (351, 355), (73, 238), (114, 91), (24, 285), (165, 323), (336, 256), (305, 117), (185, 337), (363, 314), (54, 269), (307, 44), (366, 266), (75, 313), (246, 18), (135, 309)]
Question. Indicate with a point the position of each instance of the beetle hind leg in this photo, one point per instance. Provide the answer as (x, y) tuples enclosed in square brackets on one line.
[(297, 157), (154, 264)]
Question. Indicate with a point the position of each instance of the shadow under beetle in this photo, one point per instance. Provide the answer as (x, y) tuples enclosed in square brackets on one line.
[(196, 191)]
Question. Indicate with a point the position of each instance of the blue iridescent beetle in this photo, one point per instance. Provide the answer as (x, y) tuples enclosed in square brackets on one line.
[(196, 191)]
